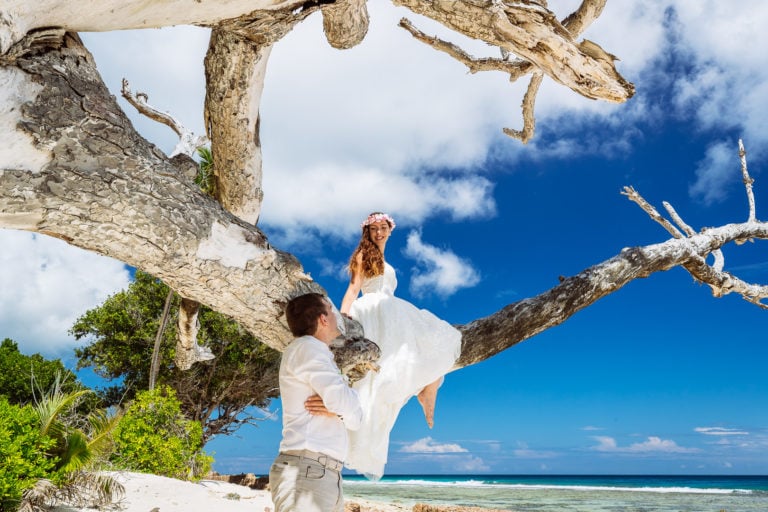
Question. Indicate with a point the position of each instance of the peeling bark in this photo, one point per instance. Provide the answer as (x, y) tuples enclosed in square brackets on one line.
[(533, 33), (234, 72), (345, 23), (105, 189)]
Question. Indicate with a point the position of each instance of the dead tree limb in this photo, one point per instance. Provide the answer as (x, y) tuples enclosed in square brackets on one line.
[(522, 320)]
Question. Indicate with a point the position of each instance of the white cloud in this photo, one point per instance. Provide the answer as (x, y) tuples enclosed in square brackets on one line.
[(445, 272), (590, 428), (429, 445), (450, 457), (467, 464), (720, 431), (524, 452), (332, 199), (47, 285), (725, 84), (651, 445), (716, 172)]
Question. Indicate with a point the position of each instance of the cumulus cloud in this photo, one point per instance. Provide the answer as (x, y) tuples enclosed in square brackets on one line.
[(716, 172), (651, 445), (333, 199), (438, 269), (449, 457), (524, 452), (467, 464), (429, 445), (720, 431), (47, 285)]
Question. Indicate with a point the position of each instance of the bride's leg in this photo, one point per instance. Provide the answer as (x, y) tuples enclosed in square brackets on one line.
[(427, 398)]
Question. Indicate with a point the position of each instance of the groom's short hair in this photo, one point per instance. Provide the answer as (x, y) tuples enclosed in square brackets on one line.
[(303, 311)]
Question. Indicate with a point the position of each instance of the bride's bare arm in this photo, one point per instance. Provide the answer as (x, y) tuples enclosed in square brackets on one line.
[(353, 290)]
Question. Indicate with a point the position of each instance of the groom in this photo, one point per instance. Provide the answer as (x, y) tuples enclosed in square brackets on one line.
[(318, 408)]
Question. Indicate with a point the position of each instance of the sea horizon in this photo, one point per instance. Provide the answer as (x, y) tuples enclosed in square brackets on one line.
[(570, 493)]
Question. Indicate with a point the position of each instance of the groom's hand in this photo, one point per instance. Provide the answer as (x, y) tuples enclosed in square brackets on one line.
[(316, 407)]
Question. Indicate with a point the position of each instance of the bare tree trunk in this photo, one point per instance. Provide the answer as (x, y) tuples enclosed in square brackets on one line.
[(154, 367)]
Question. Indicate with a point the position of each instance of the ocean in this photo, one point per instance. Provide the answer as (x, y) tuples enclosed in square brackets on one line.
[(563, 493)]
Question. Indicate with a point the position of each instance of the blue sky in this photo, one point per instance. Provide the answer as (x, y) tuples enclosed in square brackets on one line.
[(659, 377)]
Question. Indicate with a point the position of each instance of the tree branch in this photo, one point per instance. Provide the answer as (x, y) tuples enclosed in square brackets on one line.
[(486, 337), (98, 185), (188, 141), (575, 23), (719, 281), (529, 119), (345, 23), (234, 73), (517, 322), (532, 32)]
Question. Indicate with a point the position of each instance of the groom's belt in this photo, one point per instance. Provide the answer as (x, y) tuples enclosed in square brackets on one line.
[(322, 459)]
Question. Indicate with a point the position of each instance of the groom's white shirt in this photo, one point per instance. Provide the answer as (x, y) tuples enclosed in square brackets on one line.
[(308, 368)]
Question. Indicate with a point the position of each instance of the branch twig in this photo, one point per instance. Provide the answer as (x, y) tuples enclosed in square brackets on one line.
[(720, 282), (635, 197), (529, 119), (188, 141), (508, 27), (747, 181)]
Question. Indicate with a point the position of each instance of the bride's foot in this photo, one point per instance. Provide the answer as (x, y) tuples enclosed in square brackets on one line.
[(427, 398)]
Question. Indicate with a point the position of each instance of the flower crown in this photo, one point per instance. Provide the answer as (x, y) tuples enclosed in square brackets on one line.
[(376, 217)]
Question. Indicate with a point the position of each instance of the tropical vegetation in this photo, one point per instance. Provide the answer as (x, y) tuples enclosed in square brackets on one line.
[(221, 394), (155, 437)]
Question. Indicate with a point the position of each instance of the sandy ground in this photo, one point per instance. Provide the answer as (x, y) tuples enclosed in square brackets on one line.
[(151, 493)]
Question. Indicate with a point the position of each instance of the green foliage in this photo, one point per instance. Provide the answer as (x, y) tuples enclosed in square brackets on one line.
[(123, 330), (23, 453), (18, 371), (205, 178), (154, 437), (78, 440), (216, 393)]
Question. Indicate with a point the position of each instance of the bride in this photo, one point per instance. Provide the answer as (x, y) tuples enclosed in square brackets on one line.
[(417, 348)]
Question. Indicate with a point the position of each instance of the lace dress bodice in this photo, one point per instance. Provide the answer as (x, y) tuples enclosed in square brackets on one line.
[(384, 283)]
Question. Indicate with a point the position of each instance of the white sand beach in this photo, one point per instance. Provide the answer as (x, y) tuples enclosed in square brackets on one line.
[(147, 493)]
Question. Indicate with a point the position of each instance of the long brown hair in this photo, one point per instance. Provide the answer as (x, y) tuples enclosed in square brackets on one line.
[(372, 263)]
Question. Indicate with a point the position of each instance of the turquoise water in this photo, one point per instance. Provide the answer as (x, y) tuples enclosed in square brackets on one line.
[(571, 493)]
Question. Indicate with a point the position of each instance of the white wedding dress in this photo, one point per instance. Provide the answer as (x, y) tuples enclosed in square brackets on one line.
[(417, 348)]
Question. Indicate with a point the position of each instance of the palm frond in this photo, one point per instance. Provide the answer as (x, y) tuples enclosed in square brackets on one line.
[(102, 426), (39, 496), (52, 406), (91, 489)]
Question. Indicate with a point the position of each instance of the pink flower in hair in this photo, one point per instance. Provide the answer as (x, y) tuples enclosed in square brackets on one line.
[(375, 217)]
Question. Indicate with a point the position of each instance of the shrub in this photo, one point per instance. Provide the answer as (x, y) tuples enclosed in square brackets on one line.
[(23, 452), (155, 437)]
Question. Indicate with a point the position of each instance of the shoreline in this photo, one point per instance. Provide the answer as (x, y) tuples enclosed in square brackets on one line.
[(146, 492)]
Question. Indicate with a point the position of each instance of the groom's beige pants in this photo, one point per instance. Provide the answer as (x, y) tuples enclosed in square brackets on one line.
[(306, 482)]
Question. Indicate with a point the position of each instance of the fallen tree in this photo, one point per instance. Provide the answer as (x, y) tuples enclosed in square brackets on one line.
[(73, 167)]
